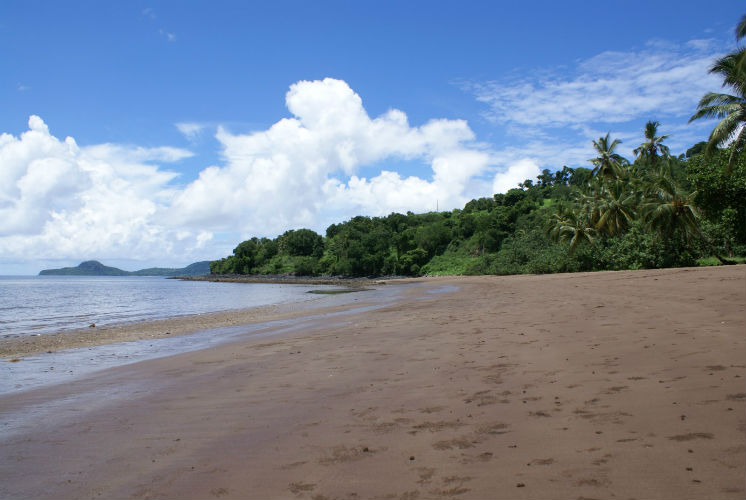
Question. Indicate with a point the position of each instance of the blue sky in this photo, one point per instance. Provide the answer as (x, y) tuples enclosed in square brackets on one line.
[(160, 133)]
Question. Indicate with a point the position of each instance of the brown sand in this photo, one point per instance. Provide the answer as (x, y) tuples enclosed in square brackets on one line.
[(624, 384)]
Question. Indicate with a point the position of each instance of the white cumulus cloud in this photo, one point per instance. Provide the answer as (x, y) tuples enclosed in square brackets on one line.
[(60, 200), (516, 173), (304, 167)]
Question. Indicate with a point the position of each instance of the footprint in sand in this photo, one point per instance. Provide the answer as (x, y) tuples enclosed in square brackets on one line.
[(715, 368), (593, 482), (616, 389), (692, 435), (541, 461), (454, 486), (432, 409), (438, 426), (426, 474), (293, 465), (341, 454), (494, 429), (460, 443), (299, 487)]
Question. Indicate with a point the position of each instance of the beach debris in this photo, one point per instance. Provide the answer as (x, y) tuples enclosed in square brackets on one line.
[(520, 485), (412, 457), (14, 360), (92, 325)]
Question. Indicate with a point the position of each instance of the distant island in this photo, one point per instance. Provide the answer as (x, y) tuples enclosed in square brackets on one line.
[(95, 268)]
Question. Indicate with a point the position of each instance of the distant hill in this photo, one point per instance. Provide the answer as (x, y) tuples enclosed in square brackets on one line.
[(95, 268), (196, 269)]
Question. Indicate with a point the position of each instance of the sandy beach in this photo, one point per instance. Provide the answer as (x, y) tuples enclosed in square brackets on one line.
[(592, 385)]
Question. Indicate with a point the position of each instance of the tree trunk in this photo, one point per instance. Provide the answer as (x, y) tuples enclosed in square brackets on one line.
[(712, 249), (728, 247)]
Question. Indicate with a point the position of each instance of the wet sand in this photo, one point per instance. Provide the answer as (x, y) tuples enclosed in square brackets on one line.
[(623, 384), (19, 346)]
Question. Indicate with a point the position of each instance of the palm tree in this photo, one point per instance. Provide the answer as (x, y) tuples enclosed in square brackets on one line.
[(615, 208), (668, 209), (608, 165), (730, 109), (653, 148), (573, 224)]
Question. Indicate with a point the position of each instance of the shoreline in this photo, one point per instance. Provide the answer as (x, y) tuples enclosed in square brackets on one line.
[(17, 347), (13, 348), (623, 384), (286, 279)]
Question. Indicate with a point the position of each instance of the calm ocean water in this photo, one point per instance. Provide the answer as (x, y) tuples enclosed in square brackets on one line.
[(45, 304)]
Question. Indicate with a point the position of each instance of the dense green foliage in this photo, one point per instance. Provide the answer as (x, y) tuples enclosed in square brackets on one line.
[(195, 269)]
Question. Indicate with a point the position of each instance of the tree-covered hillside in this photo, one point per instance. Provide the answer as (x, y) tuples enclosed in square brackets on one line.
[(656, 211)]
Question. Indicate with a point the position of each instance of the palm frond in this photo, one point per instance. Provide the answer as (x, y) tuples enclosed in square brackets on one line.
[(718, 98), (725, 130), (714, 98), (570, 224), (731, 68), (718, 111)]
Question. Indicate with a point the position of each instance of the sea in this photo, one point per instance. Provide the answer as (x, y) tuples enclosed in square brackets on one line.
[(38, 305)]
